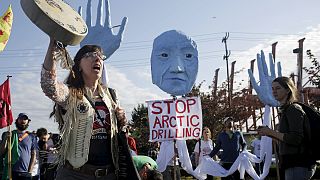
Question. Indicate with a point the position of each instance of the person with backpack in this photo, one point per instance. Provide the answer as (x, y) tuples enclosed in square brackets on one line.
[(203, 147), (294, 132)]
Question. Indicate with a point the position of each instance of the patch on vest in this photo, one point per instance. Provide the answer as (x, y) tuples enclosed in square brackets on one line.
[(82, 107)]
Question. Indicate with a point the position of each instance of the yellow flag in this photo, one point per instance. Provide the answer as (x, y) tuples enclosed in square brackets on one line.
[(5, 27)]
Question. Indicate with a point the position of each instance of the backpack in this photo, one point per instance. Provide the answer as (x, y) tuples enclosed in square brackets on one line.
[(314, 121), (193, 156)]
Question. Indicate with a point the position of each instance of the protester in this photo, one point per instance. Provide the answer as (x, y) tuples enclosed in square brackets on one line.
[(23, 153), (36, 168), (48, 144), (256, 145), (294, 132), (88, 116), (203, 147), (231, 142), (131, 142), (154, 150), (147, 168)]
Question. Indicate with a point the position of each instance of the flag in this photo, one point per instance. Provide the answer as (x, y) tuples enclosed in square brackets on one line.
[(5, 27), (5, 105)]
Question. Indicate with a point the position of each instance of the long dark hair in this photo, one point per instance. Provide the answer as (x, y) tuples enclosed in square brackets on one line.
[(75, 78)]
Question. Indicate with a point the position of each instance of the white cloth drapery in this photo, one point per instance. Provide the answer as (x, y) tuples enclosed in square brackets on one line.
[(208, 166)]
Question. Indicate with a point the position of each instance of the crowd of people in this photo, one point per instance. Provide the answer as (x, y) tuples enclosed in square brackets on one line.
[(37, 154), (90, 144), (33, 153), (94, 140)]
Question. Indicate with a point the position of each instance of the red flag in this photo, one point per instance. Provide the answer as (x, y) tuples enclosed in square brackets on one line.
[(5, 105)]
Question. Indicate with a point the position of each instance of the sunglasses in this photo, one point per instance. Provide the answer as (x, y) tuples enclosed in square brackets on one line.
[(94, 55)]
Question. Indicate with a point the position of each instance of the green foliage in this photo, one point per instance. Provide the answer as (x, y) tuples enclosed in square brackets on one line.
[(140, 127), (313, 71)]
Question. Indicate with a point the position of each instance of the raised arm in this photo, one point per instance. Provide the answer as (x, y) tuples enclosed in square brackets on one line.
[(55, 90)]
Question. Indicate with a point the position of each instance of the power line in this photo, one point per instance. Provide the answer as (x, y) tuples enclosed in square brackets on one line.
[(217, 34)]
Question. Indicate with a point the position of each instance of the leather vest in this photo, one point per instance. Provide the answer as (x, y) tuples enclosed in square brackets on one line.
[(78, 125)]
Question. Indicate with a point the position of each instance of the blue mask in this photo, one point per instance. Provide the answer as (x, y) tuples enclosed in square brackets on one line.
[(174, 62)]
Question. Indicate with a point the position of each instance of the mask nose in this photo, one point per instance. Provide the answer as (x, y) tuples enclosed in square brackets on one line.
[(177, 65)]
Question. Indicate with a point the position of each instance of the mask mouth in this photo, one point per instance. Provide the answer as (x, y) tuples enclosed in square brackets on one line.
[(177, 79)]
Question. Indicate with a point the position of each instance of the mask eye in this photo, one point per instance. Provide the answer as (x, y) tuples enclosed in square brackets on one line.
[(188, 55), (164, 55)]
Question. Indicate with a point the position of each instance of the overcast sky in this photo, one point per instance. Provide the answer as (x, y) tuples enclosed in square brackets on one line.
[(253, 25)]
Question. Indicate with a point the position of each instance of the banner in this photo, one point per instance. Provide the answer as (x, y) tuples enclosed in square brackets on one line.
[(5, 105), (5, 27), (175, 119)]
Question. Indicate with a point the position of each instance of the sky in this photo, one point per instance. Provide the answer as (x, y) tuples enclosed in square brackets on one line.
[(252, 26)]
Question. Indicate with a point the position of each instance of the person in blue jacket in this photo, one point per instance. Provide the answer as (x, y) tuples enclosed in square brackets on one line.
[(232, 143)]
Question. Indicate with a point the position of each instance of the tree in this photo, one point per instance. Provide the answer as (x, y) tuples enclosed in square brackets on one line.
[(313, 71), (140, 125), (313, 78)]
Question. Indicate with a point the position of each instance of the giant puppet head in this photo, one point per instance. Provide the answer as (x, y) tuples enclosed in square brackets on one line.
[(174, 62)]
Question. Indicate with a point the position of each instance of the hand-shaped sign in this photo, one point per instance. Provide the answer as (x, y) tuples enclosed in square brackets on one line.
[(264, 91), (174, 62), (102, 34)]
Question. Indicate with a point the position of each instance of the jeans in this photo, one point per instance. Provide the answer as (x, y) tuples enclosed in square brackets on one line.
[(67, 174), (48, 171), (299, 173), (234, 176), (259, 167), (21, 176), (168, 174)]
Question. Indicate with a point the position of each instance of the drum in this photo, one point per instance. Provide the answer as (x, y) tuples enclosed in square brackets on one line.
[(57, 19)]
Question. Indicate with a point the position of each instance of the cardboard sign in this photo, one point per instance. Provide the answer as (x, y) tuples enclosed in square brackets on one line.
[(175, 119)]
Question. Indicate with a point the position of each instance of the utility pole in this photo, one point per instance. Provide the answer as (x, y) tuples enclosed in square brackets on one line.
[(299, 52), (226, 57)]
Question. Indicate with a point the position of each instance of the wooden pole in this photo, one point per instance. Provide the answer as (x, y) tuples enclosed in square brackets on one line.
[(299, 51), (226, 57), (215, 82), (274, 118), (9, 153), (252, 108), (274, 51), (9, 143), (174, 161), (231, 81)]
